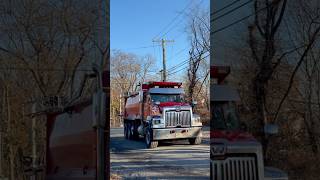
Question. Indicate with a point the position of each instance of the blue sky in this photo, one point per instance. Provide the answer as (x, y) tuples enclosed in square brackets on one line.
[(135, 23)]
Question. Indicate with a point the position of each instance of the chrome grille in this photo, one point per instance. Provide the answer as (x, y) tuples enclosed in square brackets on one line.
[(235, 168), (178, 118)]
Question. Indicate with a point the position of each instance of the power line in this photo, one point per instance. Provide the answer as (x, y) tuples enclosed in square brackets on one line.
[(228, 12), (236, 22), (225, 27), (177, 23), (173, 20), (179, 52), (183, 62), (231, 11), (225, 7), (154, 51), (41, 69), (221, 29), (142, 47), (180, 64), (187, 66), (184, 67)]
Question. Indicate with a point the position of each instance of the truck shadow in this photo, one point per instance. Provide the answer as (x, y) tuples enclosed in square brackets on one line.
[(119, 144), (171, 160)]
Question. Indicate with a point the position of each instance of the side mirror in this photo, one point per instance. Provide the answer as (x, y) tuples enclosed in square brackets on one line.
[(140, 96), (271, 129), (157, 103)]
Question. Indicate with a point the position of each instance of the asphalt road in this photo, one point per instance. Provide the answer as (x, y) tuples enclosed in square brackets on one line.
[(171, 160)]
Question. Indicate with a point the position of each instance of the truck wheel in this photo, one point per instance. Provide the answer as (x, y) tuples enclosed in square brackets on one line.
[(125, 130), (129, 131), (134, 132), (149, 140), (196, 140), (135, 135)]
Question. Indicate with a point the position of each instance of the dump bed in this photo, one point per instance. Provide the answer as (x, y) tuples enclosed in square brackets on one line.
[(132, 107)]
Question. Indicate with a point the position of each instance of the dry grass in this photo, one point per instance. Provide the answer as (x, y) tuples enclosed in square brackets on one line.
[(115, 177), (303, 165)]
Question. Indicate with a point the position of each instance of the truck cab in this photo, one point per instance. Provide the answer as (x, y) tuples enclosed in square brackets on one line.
[(234, 152)]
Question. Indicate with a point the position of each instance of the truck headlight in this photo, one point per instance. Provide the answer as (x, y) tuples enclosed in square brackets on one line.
[(157, 122), (196, 120)]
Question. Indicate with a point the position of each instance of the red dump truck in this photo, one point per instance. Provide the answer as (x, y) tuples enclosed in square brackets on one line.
[(158, 111), (235, 154)]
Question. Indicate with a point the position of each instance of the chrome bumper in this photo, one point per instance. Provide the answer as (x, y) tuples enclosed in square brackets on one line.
[(176, 133)]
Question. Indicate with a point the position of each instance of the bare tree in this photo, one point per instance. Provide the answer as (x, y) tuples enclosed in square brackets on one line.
[(305, 30), (46, 49), (262, 41), (198, 30), (127, 71)]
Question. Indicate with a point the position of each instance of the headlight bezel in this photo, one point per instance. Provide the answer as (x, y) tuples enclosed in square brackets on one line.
[(196, 120), (157, 122)]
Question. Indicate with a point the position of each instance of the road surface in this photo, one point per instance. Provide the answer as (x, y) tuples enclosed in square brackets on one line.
[(171, 160)]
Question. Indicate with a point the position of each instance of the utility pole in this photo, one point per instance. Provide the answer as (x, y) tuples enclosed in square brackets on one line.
[(161, 74), (163, 44)]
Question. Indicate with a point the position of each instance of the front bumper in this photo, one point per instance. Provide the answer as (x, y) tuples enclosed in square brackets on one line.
[(177, 133)]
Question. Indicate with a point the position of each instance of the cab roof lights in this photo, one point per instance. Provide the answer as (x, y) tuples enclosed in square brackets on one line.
[(161, 84)]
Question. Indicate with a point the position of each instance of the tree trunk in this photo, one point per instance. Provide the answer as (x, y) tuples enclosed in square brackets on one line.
[(311, 129), (261, 116), (11, 148)]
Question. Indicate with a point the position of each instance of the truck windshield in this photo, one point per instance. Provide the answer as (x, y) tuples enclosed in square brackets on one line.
[(167, 98), (225, 116)]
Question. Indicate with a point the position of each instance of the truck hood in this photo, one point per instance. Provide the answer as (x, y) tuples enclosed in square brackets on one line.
[(156, 109), (231, 135), (168, 104)]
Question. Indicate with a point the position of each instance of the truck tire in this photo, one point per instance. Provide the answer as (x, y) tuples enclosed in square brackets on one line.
[(132, 132), (149, 139), (129, 131), (135, 134), (125, 130), (194, 141)]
